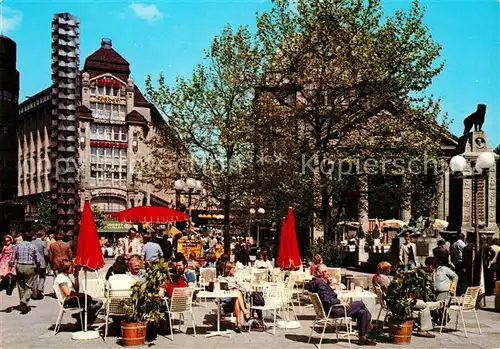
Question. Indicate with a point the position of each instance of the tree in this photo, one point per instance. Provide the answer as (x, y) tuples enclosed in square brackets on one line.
[(99, 217), (211, 114), (353, 82), (43, 213)]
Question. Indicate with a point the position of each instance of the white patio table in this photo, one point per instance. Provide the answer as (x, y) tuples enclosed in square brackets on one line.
[(217, 296)]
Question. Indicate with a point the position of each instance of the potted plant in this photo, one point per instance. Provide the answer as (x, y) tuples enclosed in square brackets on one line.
[(144, 306), (401, 298)]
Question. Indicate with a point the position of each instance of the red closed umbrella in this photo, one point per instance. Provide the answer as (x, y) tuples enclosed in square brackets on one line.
[(88, 250), (293, 246), (282, 254), (89, 257), (150, 214)]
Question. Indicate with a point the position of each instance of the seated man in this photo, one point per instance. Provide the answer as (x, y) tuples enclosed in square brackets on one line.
[(356, 310), (120, 281), (423, 310), (134, 268), (72, 298), (182, 269)]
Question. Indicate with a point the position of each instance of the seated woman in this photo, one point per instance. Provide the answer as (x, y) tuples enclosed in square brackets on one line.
[(356, 310), (263, 262), (72, 298), (210, 260), (192, 262), (236, 305), (120, 261), (383, 279)]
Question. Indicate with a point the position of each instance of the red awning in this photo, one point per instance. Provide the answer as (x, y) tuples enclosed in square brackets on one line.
[(150, 214), (88, 250)]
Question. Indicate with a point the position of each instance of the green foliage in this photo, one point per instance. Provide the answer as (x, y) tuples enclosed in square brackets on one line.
[(99, 217), (145, 303), (405, 290), (376, 232), (361, 232), (369, 240), (333, 253), (43, 213)]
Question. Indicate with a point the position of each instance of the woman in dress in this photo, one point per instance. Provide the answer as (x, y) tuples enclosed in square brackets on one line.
[(236, 305), (5, 265)]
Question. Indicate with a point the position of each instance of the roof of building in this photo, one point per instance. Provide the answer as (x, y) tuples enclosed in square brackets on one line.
[(107, 60), (134, 117), (82, 112)]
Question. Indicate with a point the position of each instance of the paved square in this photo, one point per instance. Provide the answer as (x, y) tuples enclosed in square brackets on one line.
[(35, 331)]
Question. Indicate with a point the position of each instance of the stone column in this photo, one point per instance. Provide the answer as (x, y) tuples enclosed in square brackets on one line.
[(363, 204)]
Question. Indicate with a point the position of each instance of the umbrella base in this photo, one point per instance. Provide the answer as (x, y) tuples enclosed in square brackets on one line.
[(290, 325), (85, 336)]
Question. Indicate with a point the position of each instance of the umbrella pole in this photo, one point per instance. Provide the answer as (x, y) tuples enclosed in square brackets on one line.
[(85, 327)]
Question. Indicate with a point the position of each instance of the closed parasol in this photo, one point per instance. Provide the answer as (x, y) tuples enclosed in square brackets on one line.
[(150, 214), (89, 257), (295, 261)]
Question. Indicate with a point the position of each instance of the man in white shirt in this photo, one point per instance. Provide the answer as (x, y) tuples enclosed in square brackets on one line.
[(457, 258), (134, 246)]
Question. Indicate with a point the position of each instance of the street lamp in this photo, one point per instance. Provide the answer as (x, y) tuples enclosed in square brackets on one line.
[(260, 211), (484, 163), (191, 186)]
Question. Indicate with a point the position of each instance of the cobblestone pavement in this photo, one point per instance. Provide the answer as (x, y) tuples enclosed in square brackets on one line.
[(35, 331)]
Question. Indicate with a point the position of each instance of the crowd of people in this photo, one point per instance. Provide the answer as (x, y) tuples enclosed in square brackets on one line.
[(30, 259)]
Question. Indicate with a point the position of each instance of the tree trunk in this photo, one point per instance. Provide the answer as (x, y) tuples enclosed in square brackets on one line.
[(227, 211)]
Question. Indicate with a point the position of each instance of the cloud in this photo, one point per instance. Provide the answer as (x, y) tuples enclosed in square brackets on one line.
[(149, 13), (10, 19)]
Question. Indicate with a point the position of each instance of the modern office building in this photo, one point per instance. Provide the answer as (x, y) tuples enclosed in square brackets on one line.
[(10, 210), (112, 124)]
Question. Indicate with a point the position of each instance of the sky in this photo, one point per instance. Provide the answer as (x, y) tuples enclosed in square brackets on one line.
[(169, 36)]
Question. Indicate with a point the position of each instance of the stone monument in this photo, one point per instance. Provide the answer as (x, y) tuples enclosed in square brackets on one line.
[(476, 144)]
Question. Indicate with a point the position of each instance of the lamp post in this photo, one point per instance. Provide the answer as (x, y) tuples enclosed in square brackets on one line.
[(484, 162), (260, 211), (190, 187)]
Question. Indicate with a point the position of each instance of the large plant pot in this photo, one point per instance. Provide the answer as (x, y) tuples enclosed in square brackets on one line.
[(400, 331), (133, 333)]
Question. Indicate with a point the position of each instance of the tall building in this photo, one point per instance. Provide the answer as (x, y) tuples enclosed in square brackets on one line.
[(113, 122), (10, 211), (9, 92)]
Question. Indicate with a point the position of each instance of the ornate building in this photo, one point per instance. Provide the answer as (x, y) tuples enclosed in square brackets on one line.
[(113, 123)]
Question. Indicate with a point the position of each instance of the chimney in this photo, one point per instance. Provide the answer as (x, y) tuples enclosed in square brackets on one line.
[(106, 43)]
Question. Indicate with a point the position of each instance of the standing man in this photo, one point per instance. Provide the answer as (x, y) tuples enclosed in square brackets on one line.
[(41, 247), (151, 251), (25, 258), (58, 252), (134, 246), (441, 253), (407, 253), (457, 258)]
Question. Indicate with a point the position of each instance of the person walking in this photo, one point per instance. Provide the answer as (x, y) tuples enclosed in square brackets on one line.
[(407, 253), (7, 269), (59, 251), (457, 258), (25, 258), (41, 247)]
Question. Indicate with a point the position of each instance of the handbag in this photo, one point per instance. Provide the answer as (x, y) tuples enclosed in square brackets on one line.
[(8, 284)]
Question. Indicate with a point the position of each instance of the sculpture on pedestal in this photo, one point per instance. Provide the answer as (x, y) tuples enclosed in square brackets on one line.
[(475, 119)]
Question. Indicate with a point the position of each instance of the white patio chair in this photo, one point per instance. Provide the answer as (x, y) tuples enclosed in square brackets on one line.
[(273, 300), (62, 310), (207, 275), (115, 306), (258, 277), (322, 318), (465, 304), (181, 302), (381, 302)]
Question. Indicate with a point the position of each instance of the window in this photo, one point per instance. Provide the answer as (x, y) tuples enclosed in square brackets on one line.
[(108, 133), (111, 168)]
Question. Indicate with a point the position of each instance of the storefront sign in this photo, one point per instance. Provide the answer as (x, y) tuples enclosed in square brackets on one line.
[(107, 144), (107, 100), (186, 247), (108, 82)]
